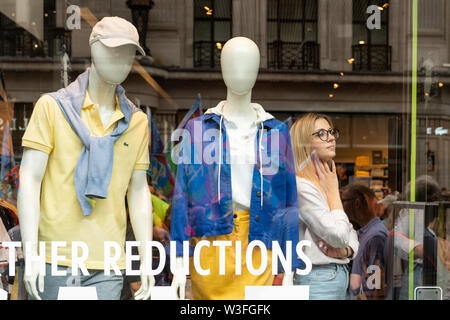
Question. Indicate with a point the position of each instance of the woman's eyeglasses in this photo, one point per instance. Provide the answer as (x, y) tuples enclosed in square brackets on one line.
[(325, 134)]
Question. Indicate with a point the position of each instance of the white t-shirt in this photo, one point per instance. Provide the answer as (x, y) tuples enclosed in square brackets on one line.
[(242, 160)]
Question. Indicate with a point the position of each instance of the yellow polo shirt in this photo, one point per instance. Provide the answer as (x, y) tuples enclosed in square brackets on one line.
[(61, 218)]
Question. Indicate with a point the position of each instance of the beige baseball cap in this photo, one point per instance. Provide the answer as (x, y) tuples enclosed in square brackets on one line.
[(115, 32)]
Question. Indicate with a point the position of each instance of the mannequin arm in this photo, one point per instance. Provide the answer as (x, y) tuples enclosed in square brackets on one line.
[(288, 279), (179, 278), (32, 170), (140, 207)]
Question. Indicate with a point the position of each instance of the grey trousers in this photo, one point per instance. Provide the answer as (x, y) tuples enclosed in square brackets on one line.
[(108, 287)]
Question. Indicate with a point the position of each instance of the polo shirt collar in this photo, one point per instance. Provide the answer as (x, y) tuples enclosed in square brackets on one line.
[(116, 116)]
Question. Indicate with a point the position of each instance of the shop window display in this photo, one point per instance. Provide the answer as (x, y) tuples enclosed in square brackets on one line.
[(379, 70)]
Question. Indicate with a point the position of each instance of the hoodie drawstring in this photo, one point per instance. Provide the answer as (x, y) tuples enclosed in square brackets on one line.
[(220, 155)]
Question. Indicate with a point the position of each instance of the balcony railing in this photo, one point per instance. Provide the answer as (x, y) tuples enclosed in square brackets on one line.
[(371, 57), (206, 54), (294, 55), (17, 42)]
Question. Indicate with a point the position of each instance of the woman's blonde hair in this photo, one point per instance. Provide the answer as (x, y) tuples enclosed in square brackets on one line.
[(301, 137)]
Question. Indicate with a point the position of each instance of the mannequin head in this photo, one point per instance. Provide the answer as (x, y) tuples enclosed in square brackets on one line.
[(112, 64), (240, 64), (114, 42)]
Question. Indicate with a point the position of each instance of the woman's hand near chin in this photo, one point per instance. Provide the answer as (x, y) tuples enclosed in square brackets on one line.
[(329, 180)]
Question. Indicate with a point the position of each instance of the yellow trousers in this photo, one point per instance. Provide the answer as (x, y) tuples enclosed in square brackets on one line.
[(229, 286)]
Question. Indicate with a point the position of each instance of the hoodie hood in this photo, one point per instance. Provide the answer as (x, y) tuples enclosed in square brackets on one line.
[(261, 114)]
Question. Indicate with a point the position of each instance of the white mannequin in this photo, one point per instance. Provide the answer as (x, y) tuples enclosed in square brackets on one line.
[(239, 60), (110, 67)]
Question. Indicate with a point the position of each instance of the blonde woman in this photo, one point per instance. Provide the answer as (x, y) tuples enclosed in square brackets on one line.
[(323, 221)]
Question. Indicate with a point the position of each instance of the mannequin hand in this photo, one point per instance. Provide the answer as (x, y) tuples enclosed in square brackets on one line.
[(30, 280), (147, 282), (288, 279), (179, 278), (179, 283)]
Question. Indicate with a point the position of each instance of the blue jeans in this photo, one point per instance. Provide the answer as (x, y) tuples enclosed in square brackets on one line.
[(326, 282), (108, 287)]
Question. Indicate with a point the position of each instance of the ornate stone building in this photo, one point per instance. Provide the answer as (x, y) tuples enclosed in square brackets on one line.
[(316, 55)]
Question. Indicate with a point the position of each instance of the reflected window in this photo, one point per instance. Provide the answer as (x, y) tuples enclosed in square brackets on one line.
[(292, 34), (31, 31), (212, 28), (371, 49)]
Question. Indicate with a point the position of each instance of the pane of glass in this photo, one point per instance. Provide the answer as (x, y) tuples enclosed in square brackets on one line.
[(407, 265), (202, 31), (369, 133), (222, 31), (342, 123), (360, 33), (222, 8), (272, 32), (311, 31), (361, 136), (49, 13), (379, 3), (384, 8), (291, 9), (311, 9), (379, 36), (370, 99), (359, 10), (291, 32), (385, 15), (272, 9)]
